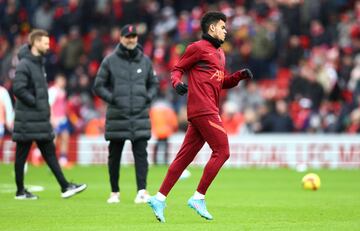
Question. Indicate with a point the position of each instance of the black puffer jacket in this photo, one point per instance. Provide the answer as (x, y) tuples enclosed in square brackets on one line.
[(32, 111), (126, 81)]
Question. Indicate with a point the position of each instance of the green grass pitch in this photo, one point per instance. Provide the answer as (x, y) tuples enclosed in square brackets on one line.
[(239, 199)]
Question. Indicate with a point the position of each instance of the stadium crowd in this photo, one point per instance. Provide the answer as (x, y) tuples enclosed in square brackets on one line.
[(304, 55)]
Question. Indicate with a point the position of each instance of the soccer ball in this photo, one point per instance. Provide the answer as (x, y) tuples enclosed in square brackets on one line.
[(311, 181)]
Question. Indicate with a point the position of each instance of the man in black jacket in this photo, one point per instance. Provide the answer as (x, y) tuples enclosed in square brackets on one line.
[(32, 115), (126, 81)]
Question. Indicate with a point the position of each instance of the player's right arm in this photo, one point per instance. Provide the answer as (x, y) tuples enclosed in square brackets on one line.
[(187, 60), (102, 80)]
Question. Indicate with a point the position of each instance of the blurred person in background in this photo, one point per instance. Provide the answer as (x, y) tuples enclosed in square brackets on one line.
[(58, 119), (281, 121), (44, 16), (72, 50), (6, 114), (293, 53), (96, 126), (251, 123), (354, 123), (354, 82), (246, 95), (32, 115), (231, 117), (163, 124), (126, 81), (305, 85), (204, 62)]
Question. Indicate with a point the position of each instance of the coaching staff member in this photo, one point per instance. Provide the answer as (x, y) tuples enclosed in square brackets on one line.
[(126, 81), (32, 115)]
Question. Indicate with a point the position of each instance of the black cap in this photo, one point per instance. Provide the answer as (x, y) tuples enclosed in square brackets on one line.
[(128, 30)]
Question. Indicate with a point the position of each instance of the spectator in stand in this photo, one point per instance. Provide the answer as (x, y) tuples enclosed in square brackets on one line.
[(167, 22), (342, 123), (354, 125), (315, 92), (354, 82), (326, 62), (281, 121), (263, 47), (96, 48), (44, 16), (72, 51), (305, 85), (6, 57), (318, 34), (345, 67), (246, 96), (293, 53), (10, 19), (251, 122)]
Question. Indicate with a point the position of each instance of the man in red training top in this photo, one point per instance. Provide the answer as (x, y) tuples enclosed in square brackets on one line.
[(204, 63)]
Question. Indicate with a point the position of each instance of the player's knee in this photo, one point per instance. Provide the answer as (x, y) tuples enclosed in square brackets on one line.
[(225, 153)]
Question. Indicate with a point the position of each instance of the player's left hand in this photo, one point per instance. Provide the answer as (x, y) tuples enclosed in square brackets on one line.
[(246, 73)]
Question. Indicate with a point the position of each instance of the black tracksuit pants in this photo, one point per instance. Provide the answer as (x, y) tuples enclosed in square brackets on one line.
[(47, 149), (141, 163)]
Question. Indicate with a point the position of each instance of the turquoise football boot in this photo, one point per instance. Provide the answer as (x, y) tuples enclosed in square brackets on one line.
[(158, 208), (200, 207)]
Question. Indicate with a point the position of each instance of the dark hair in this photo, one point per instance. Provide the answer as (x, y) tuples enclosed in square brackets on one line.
[(60, 75), (210, 18), (37, 34)]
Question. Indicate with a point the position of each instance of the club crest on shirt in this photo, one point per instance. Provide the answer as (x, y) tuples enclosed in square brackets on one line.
[(218, 75)]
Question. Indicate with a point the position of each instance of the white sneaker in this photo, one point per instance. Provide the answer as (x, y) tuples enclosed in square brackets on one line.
[(72, 189), (25, 195), (142, 197), (114, 198)]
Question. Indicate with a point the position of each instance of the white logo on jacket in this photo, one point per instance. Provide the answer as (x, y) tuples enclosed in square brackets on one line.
[(139, 71)]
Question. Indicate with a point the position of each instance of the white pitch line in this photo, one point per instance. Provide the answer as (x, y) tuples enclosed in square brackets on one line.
[(11, 188)]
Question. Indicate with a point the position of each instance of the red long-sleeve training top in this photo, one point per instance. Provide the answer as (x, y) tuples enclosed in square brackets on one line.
[(204, 65)]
